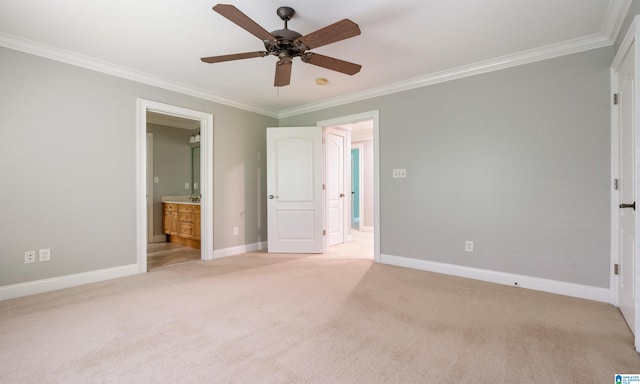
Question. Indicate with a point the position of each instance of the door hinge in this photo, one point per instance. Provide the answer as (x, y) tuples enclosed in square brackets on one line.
[(324, 232), (324, 186), (616, 184), (615, 99), (616, 269)]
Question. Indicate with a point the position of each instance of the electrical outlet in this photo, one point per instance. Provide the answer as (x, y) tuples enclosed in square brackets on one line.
[(29, 257), (236, 231), (187, 185), (468, 246), (44, 254)]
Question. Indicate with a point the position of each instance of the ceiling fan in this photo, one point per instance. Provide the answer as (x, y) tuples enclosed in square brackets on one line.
[(287, 44)]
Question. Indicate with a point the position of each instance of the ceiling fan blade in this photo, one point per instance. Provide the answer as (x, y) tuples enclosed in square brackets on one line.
[(243, 21), (283, 72), (235, 56), (331, 63), (341, 30)]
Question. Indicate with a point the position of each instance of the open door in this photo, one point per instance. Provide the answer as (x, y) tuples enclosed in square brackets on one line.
[(336, 191), (626, 146), (294, 190)]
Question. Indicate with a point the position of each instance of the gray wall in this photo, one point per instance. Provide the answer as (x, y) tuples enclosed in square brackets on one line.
[(171, 164), (67, 167), (517, 161)]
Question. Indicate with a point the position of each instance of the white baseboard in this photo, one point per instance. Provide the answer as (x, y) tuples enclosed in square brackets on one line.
[(240, 249), (367, 229), (535, 283), (39, 286)]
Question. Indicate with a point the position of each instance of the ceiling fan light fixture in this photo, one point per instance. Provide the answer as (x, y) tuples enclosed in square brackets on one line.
[(321, 81)]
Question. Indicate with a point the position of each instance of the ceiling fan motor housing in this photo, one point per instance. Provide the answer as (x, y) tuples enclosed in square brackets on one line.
[(285, 44)]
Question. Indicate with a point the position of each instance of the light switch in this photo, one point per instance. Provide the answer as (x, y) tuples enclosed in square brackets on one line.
[(156, 179), (399, 173), (187, 185)]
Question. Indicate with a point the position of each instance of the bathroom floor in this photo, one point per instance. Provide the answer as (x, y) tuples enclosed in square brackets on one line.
[(163, 254)]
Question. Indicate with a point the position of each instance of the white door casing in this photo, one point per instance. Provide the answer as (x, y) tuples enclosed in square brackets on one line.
[(336, 185), (295, 222), (149, 193), (625, 291), (359, 202)]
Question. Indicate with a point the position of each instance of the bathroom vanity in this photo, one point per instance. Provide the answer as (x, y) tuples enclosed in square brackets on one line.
[(181, 223)]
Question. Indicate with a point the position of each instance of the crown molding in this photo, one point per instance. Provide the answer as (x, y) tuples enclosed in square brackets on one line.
[(68, 57), (611, 26), (616, 13), (614, 18), (525, 57)]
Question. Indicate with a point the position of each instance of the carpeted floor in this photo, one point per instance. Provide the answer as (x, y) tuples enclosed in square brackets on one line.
[(260, 318)]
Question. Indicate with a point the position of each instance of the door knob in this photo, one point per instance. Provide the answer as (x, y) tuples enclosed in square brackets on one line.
[(629, 205), (273, 197), (342, 195)]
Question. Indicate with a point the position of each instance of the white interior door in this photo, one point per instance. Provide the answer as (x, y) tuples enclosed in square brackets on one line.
[(627, 187), (336, 193), (294, 187)]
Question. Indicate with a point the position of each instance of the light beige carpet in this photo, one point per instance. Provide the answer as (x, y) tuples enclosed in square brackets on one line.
[(258, 318)]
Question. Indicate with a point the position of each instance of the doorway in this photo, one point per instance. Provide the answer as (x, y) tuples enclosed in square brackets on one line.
[(173, 176), (205, 120), (363, 135)]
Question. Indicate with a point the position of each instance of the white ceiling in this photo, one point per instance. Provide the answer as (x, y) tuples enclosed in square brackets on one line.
[(404, 43)]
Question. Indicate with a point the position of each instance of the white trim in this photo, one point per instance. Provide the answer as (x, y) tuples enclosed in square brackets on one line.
[(39, 286), (239, 250), (64, 56), (150, 186), (614, 18), (615, 198), (360, 147), (530, 56), (206, 175), (375, 116), (529, 282)]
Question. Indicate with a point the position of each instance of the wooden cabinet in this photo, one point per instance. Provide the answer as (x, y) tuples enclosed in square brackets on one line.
[(170, 222), (182, 223)]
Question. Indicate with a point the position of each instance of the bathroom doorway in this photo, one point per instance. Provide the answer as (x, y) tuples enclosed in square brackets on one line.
[(150, 111), (173, 177)]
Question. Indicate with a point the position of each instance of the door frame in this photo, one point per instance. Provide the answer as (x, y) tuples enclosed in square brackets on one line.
[(149, 185), (360, 148), (633, 35), (375, 116), (206, 175)]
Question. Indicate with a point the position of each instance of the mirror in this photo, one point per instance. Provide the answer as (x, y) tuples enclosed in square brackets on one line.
[(195, 170)]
